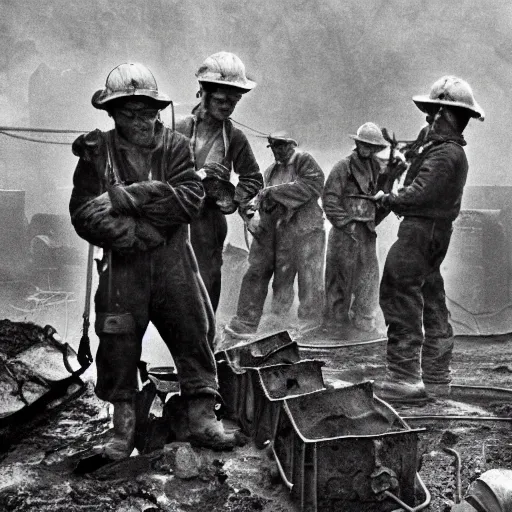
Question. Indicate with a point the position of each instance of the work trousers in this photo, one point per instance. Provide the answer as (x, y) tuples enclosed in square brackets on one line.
[(352, 277), (280, 251), (413, 301), (207, 234), (162, 286)]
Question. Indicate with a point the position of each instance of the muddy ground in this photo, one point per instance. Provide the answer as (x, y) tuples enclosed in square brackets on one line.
[(36, 472)]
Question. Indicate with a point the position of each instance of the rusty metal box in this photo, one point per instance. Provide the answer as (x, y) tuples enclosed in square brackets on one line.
[(344, 449), (232, 365)]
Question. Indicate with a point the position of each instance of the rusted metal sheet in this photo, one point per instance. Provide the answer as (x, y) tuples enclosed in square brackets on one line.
[(35, 365), (263, 351), (232, 365), (344, 449)]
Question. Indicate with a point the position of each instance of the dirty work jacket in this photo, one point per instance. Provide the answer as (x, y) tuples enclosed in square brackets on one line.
[(435, 181), (351, 176), (296, 187), (238, 156), (170, 194), (151, 274)]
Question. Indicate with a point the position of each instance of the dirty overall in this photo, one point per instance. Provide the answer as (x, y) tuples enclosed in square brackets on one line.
[(160, 284), (412, 298)]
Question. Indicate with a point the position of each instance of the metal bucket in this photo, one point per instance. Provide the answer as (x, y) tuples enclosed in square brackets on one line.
[(344, 449)]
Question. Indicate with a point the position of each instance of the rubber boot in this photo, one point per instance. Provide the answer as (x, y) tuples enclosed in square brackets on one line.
[(436, 359), (403, 382), (122, 443), (193, 420)]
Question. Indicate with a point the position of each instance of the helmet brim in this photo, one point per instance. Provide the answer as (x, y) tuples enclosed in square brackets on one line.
[(102, 97), (424, 102), (242, 87), (384, 143)]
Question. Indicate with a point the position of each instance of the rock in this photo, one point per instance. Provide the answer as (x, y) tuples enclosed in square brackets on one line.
[(182, 460), (137, 505)]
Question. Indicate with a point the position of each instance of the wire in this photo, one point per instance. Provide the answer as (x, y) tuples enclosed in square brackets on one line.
[(39, 130), (31, 139), (249, 128)]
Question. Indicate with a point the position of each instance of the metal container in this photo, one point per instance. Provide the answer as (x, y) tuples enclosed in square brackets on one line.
[(264, 389), (233, 363), (344, 449)]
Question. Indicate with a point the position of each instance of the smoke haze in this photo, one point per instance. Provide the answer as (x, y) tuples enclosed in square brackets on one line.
[(323, 68)]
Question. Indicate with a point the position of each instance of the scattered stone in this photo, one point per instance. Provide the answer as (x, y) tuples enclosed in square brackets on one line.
[(182, 458)]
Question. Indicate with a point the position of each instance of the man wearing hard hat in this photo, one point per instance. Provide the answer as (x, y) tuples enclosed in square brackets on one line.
[(289, 239), (352, 270), (135, 192), (412, 296), (218, 147)]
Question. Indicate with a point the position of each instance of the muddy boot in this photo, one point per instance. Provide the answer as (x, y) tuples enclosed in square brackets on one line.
[(403, 382), (436, 358), (122, 443), (193, 420)]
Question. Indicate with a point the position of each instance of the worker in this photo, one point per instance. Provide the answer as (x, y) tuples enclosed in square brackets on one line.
[(412, 295), (352, 269), (218, 147), (135, 191), (289, 239)]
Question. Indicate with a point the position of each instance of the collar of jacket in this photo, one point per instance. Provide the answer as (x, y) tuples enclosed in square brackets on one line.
[(360, 172), (272, 169), (447, 137)]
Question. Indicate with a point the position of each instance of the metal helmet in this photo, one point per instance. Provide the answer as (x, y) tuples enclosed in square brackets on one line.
[(225, 69), (491, 491), (370, 133), (281, 137), (126, 80), (451, 91)]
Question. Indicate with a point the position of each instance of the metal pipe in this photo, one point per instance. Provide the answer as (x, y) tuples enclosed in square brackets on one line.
[(423, 505), (458, 485), (339, 345), (280, 468), (454, 417)]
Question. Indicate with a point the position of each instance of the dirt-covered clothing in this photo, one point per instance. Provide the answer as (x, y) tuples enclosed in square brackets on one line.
[(351, 278), (351, 176), (227, 145), (434, 182), (290, 242), (412, 295), (150, 273), (352, 271)]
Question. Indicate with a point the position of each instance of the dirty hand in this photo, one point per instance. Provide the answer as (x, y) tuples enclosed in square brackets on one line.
[(378, 196)]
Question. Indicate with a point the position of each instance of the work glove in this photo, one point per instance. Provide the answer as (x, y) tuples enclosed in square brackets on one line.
[(265, 201), (122, 201)]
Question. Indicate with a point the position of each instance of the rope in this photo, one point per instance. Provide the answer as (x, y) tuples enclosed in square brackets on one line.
[(5, 129), (249, 128), (39, 130), (31, 139)]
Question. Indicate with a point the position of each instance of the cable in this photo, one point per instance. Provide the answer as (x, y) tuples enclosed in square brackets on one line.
[(39, 130), (31, 139), (249, 128)]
